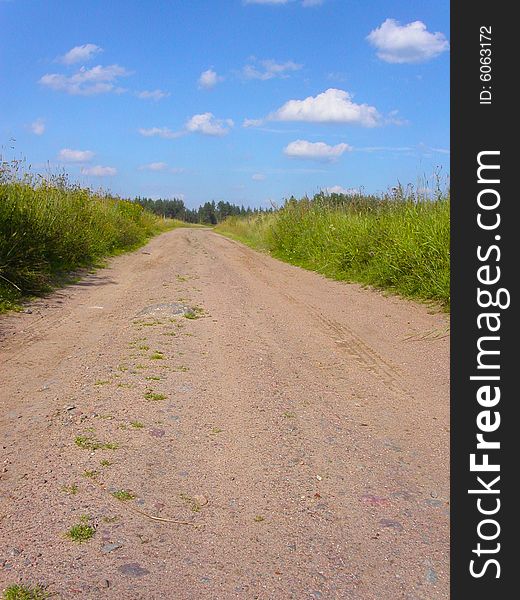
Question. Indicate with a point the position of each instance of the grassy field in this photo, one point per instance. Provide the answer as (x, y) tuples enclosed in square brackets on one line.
[(399, 242), (49, 228)]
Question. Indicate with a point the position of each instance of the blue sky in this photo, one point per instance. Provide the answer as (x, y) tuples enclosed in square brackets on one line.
[(249, 101)]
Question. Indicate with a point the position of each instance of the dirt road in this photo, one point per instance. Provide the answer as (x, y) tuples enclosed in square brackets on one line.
[(295, 429)]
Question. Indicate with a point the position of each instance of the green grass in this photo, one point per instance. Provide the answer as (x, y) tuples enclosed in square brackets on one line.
[(82, 531), (123, 495), (154, 396), (88, 443), (23, 592), (50, 227), (398, 242)]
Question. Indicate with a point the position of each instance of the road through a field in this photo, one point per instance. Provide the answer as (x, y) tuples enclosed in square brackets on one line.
[(290, 440)]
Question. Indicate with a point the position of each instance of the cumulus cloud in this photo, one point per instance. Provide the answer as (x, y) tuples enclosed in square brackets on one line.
[(269, 69), (86, 82), (331, 106), (338, 189), (163, 132), (80, 54), (411, 43), (315, 150), (207, 124), (204, 123), (209, 79), (258, 177), (38, 127), (77, 156), (152, 95), (99, 171)]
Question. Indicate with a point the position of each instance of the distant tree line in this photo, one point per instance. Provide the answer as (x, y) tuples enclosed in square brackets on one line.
[(209, 213)]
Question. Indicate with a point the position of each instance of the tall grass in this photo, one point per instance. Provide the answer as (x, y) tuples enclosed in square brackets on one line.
[(398, 242), (49, 227)]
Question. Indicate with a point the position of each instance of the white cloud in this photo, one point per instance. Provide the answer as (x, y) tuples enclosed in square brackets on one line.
[(99, 171), (209, 79), (258, 177), (410, 43), (78, 156), (80, 54), (207, 124), (86, 82), (163, 132), (338, 189), (38, 127), (270, 69), (155, 166), (252, 122), (331, 106), (152, 95), (315, 150)]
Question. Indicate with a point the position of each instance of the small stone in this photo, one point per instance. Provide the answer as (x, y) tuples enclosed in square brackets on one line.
[(110, 547), (106, 583), (133, 570), (157, 433)]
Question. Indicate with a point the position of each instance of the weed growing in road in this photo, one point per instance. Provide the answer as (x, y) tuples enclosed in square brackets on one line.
[(102, 382), (136, 424), (216, 430), (105, 463), (192, 503), (123, 495), (153, 378), (23, 592), (154, 396), (82, 531), (195, 313), (259, 519), (156, 355), (90, 474), (72, 490), (88, 443), (110, 519)]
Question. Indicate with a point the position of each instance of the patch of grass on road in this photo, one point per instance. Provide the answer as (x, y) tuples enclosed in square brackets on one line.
[(24, 592)]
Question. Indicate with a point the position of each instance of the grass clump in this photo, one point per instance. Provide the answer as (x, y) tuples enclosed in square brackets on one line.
[(123, 495), (154, 396), (82, 531), (399, 241), (50, 227), (23, 592), (88, 443), (157, 355)]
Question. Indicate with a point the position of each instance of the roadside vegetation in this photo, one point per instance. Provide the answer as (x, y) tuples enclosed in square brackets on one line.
[(399, 241), (50, 227)]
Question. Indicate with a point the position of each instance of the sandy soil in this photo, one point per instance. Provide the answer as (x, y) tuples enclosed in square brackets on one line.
[(300, 450)]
